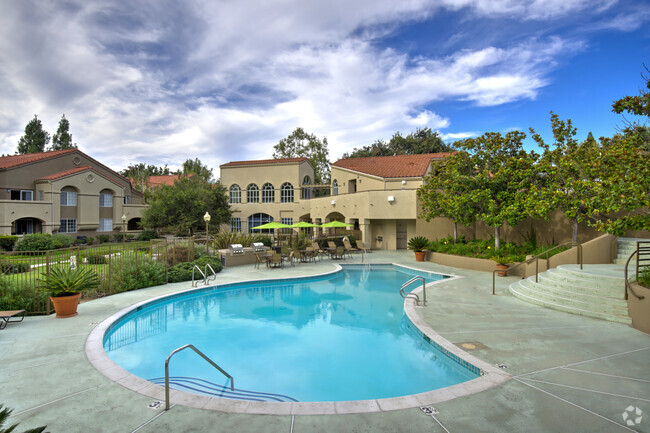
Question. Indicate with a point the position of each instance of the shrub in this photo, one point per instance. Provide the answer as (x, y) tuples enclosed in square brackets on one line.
[(118, 237), (644, 277), (96, 259), (418, 243), (224, 239), (102, 239), (7, 242), (147, 235), (35, 242), (183, 271), (14, 267), (130, 237), (5, 413), (62, 241), (126, 276), (13, 297), (90, 240), (181, 253)]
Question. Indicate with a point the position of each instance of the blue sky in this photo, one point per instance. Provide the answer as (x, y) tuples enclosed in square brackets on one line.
[(162, 81)]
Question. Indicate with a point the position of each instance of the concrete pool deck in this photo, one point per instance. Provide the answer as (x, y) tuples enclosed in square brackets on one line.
[(569, 373)]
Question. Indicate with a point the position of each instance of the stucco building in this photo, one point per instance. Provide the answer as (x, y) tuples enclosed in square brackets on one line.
[(377, 195), (65, 191)]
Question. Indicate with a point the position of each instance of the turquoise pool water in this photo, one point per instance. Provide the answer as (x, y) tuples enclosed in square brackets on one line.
[(337, 337)]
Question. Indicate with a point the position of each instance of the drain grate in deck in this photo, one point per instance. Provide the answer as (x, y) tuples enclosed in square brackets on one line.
[(471, 345)]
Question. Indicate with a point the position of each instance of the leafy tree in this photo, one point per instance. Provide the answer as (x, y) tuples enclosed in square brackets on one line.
[(422, 140), (194, 166), (140, 173), (183, 205), (62, 139), (446, 191), (35, 138), (638, 106), (301, 144)]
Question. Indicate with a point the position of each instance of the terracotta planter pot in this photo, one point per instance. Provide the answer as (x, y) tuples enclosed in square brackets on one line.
[(65, 306), (420, 255), (502, 270)]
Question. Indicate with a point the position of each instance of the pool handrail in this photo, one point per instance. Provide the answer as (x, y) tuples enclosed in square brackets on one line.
[(417, 298), (208, 277), (200, 272), (202, 355)]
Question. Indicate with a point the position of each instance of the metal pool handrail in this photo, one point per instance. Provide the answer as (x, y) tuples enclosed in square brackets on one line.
[(196, 268), (202, 355), (208, 277), (417, 298)]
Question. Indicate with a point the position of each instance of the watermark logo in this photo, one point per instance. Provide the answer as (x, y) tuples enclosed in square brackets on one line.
[(632, 415)]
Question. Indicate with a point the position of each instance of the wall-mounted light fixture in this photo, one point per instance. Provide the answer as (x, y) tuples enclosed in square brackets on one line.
[(403, 182), (333, 202), (391, 199)]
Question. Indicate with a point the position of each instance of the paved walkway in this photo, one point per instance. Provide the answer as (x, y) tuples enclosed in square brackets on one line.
[(569, 373)]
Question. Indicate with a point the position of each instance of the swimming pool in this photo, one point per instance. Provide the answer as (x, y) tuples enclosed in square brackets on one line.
[(336, 337)]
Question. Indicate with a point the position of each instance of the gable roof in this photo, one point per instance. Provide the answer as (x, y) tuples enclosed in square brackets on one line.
[(392, 166), (167, 179), (264, 162), (76, 170), (18, 160)]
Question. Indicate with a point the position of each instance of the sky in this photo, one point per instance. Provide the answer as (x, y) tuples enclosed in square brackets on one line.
[(162, 81)]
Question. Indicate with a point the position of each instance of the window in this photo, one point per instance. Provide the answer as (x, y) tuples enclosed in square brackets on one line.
[(257, 220), (235, 194), (68, 198), (68, 225), (23, 226), (106, 199), (105, 225), (287, 221), (286, 193), (127, 199), (305, 194), (41, 195), (252, 194), (268, 194), (22, 194), (335, 187), (235, 224)]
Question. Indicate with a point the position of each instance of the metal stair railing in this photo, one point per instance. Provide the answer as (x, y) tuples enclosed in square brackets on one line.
[(417, 298), (536, 260), (642, 254), (202, 355)]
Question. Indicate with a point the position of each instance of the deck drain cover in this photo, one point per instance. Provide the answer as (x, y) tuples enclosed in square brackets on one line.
[(502, 366), (155, 405), (429, 410), (471, 345)]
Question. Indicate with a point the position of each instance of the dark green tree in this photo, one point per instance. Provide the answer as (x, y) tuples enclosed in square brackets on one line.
[(140, 173), (35, 138), (62, 139), (422, 140), (301, 144), (181, 207), (194, 166)]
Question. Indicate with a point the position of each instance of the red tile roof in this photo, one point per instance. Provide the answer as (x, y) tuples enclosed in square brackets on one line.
[(263, 162), (391, 166), (168, 179), (61, 174), (16, 160)]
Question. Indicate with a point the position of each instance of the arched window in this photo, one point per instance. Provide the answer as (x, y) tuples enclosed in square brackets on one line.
[(252, 194), (106, 198), (286, 193), (68, 196), (305, 194), (268, 194), (235, 194), (257, 220), (335, 187)]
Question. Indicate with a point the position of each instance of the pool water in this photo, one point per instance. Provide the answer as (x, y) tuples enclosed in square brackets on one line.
[(337, 337)]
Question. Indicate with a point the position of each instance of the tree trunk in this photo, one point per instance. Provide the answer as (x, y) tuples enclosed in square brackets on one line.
[(497, 238), (455, 232), (574, 237)]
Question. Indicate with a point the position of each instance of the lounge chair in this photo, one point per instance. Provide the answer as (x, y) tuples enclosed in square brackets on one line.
[(338, 253), (317, 249), (362, 247), (331, 246), (10, 316), (261, 258), (349, 248)]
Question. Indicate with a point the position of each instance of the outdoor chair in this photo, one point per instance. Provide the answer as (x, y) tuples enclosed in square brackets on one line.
[(261, 259), (276, 261), (331, 246), (7, 316), (291, 258), (317, 249), (362, 247), (349, 248), (338, 253)]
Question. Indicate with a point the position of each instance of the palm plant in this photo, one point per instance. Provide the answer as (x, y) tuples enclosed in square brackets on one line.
[(418, 243), (4, 415), (66, 282)]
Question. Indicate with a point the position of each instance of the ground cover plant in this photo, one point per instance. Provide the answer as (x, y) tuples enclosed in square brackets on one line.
[(644, 277)]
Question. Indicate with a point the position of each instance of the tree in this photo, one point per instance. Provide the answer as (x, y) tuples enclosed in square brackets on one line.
[(140, 173), (62, 139), (301, 144), (638, 106), (35, 138), (194, 166), (422, 140), (182, 206), (445, 191)]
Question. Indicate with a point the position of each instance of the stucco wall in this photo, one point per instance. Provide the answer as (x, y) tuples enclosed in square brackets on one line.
[(640, 308)]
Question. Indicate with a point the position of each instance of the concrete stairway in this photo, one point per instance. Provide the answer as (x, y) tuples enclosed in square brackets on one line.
[(625, 247), (595, 291)]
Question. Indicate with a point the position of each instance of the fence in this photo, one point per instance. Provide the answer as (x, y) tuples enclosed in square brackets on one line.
[(20, 271)]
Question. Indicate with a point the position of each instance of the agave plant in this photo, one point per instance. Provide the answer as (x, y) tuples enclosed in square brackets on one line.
[(418, 243), (66, 281)]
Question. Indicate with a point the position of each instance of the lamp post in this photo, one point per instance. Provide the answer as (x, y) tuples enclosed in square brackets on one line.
[(207, 219), (123, 229)]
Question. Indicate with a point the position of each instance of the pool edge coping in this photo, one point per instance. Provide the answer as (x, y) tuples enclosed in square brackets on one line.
[(490, 375)]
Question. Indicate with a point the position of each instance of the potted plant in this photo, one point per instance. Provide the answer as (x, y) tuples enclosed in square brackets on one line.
[(502, 261), (64, 285), (419, 245)]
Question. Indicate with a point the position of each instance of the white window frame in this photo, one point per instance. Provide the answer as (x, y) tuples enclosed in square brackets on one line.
[(335, 187), (68, 198), (235, 194), (286, 193), (252, 193), (68, 225), (305, 193), (268, 193), (105, 200), (23, 194), (235, 224), (105, 225)]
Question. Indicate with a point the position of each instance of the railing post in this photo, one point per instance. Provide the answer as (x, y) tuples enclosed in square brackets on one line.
[(110, 275)]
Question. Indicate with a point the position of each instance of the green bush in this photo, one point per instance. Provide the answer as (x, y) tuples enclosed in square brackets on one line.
[(14, 267), (7, 242), (102, 239), (13, 297), (223, 240), (96, 259), (182, 253), (118, 237), (418, 243), (644, 277), (130, 237), (147, 235), (35, 242), (127, 276), (484, 248), (90, 240), (183, 271)]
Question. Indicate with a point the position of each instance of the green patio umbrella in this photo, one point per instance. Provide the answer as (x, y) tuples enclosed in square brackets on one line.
[(335, 224), (273, 225), (302, 225)]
